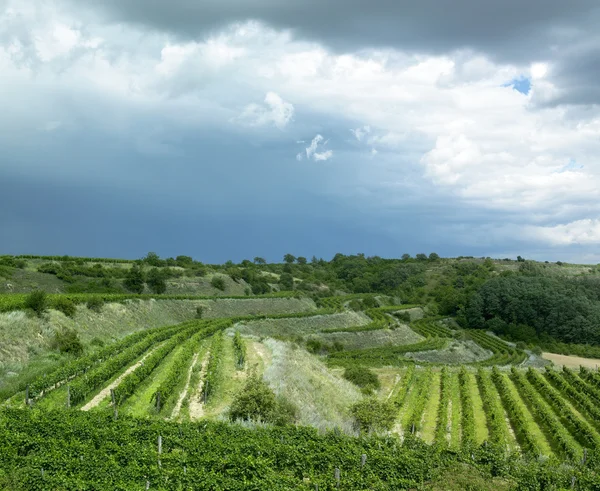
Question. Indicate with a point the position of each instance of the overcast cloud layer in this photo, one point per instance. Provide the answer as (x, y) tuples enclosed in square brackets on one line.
[(223, 131)]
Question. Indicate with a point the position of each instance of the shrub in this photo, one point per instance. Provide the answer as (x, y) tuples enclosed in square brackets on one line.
[(403, 316), (536, 350), (286, 281), (199, 312), (362, 377), (67, 341), (156, 281), (314, 346), (134, 281), (373, 415), (257, 402), (521, 345), (97, 342), (66, 306), (218, 283), (370, 302), (95, 304), (37, 301)]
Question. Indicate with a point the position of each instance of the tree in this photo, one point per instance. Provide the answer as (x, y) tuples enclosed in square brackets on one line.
[(421, 257), (434, 256), (152, 259), (37, 301), (259, 260), (289, 258), (286, 281), (156, 281), (520, 259), (218, 282), (134, 280), (301, 260), (405, 257), (257, 402)]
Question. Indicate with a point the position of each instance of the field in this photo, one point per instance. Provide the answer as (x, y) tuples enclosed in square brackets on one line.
[(462, 399), (572, 361)]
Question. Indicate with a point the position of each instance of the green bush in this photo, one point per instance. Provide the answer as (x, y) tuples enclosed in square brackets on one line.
[(67, 341), (286, 281), (134, 281), (363, 377), (373, 415), (257, 402), (37, 301), (218, 283), (156, 281), (199, 312), (95, 304), (66, 306)]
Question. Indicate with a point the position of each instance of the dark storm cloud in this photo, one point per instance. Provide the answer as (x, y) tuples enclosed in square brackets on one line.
[(510, 29)]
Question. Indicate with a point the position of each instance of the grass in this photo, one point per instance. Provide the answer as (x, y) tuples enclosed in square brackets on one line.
[(371, 339), (195, 380), (294, 327), (405, 412), (430, 415), (455, 411), (230, 381), (322, 397), (140, 404), (481, 429)]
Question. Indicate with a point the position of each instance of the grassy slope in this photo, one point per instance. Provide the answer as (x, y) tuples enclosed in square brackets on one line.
[(323, 398), (302, 326), (370, 339)]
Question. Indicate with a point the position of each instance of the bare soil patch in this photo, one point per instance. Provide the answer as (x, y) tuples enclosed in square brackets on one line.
[(571, 361)]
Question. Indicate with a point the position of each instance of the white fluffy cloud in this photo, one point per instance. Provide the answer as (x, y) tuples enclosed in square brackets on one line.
[(274, 111), (317, 143), (581, 232)]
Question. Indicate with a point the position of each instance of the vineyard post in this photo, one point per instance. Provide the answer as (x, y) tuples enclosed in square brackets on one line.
[(112, 396), (68, 397), (363, 460), (147, 484), (337, 476), (27, 395), (158, 402), (205, 391), (584, 460), (159, 449)]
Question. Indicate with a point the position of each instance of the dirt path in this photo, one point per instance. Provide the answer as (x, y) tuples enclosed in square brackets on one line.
[(571, 361), (179, 403), (104, 393), (196, 404), (396, 380)]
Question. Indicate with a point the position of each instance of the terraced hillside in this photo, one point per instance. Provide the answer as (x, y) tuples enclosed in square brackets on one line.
[(193, 370)]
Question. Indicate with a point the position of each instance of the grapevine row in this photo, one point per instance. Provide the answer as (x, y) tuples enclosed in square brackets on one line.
[(520, 421), (179, 368), (544, 414), (582, 385), (492, 405), (584, 431), (84, 385), (212, 377), (382, 356), (417, 408), (466, 401), (429, 328), (442, 412), (128, 385), (405, 384), (239, 351), (579, 397)]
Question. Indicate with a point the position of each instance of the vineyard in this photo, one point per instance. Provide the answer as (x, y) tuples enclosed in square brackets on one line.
[(482, 412)]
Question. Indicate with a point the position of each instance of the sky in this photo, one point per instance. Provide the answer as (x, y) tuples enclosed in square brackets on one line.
[(231, 129)]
